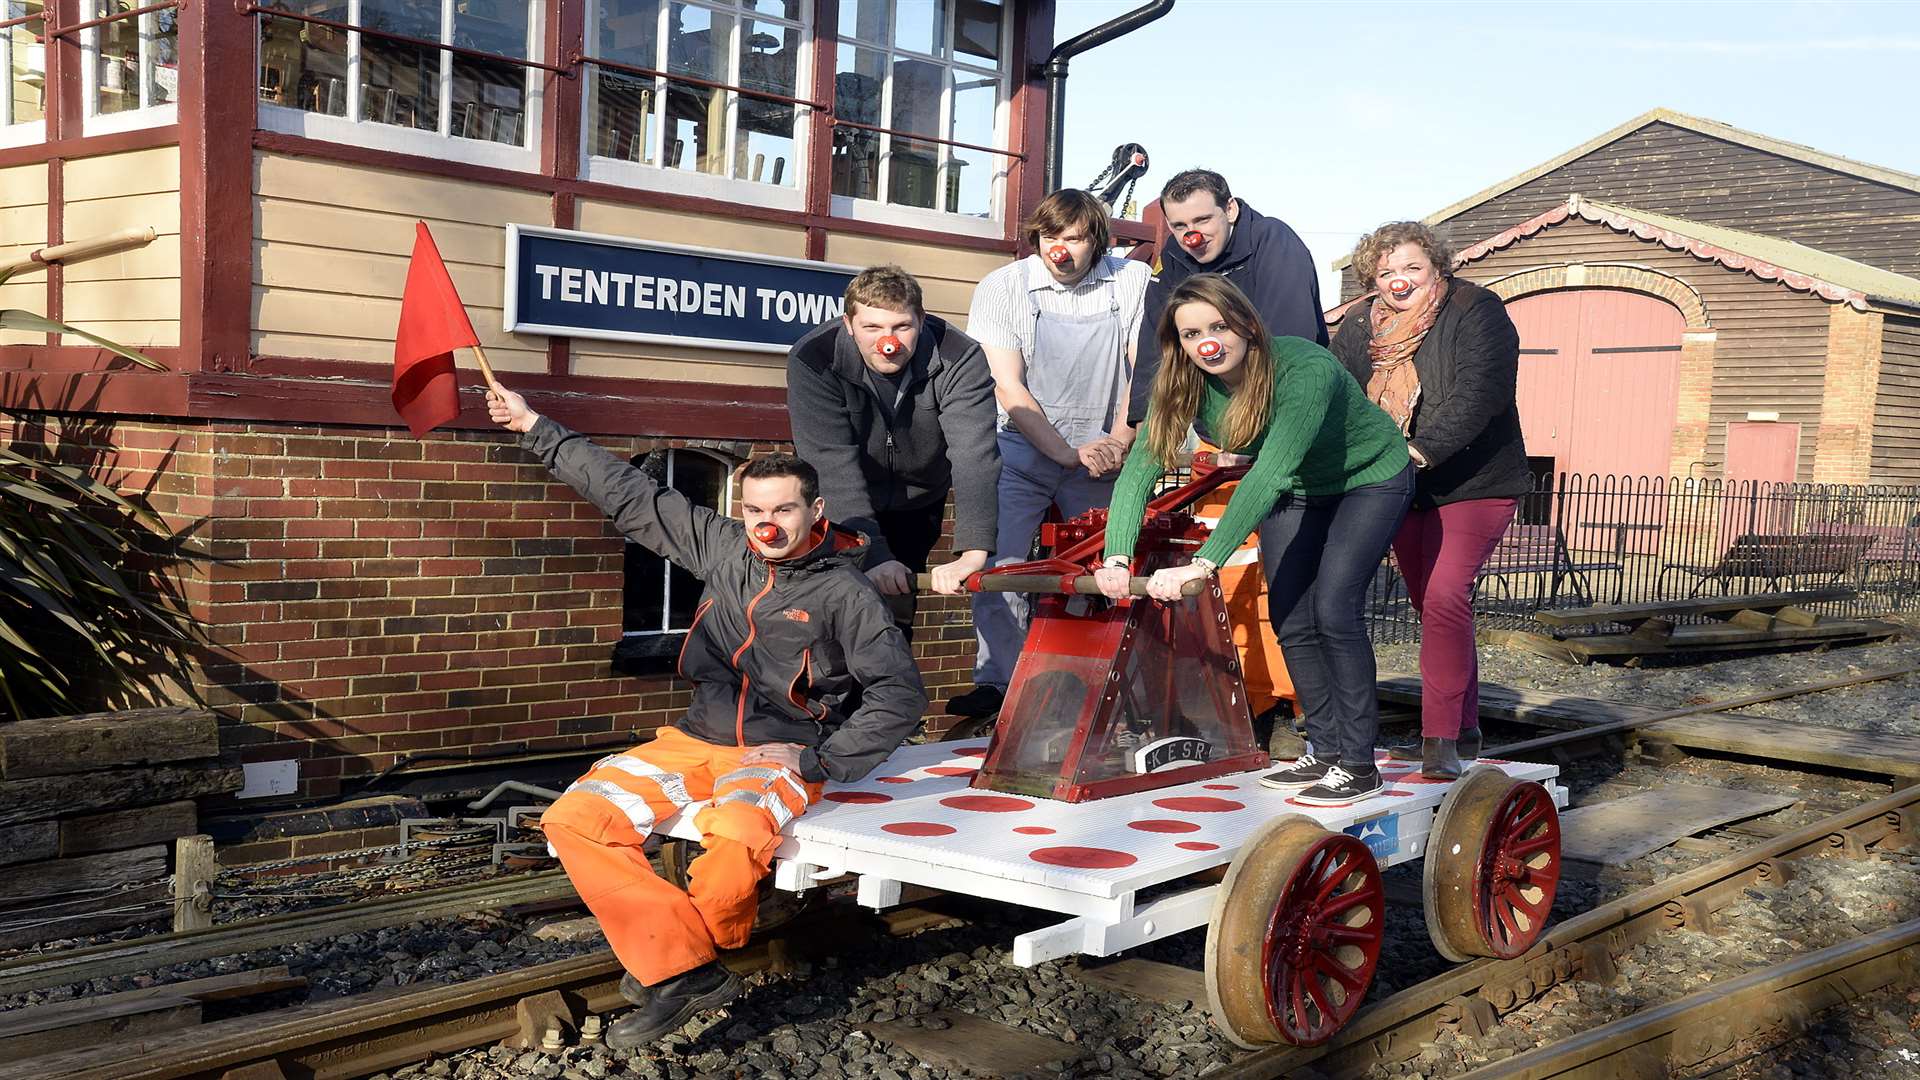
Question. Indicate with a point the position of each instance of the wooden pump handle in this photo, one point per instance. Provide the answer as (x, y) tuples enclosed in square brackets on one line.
[(81, 250), (1050, 584)]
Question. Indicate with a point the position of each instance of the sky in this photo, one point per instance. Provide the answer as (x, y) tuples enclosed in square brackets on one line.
[(1338, 117)]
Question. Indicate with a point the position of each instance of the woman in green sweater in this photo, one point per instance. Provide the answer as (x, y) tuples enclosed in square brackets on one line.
[(1329, 483)]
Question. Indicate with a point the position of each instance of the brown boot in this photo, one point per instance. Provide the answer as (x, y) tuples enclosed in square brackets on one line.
[(1439, 759)]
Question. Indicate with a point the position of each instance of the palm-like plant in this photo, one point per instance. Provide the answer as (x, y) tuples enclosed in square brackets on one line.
[(91, 614)]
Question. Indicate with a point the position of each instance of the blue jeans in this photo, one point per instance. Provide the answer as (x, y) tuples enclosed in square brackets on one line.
[(1029, 483), (1320, 554)]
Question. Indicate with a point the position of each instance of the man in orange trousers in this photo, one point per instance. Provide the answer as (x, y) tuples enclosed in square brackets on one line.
[(799, 675)]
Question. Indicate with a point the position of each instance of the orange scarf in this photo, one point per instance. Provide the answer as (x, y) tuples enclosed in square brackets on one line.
[(1395, 385)]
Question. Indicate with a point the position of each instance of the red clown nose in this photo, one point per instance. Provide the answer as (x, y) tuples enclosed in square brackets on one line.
[(1194, 239), (1058, 255), (890, 346), (1209, 348), (1400, 287), (767, 533)]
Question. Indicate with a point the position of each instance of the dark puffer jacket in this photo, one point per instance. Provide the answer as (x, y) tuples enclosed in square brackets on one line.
[(797, 651), (874, 455), (1465, 423)]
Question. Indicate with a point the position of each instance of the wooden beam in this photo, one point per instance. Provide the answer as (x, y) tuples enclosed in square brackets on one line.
[(194, 875), (117, 830), (63, 1025), (42, 797), (76, 744)]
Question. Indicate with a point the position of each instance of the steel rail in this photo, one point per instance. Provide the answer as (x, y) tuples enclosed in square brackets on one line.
[(1585, 947), (143, 954), (380, 1031), (1562, 738), (1771, 1005)]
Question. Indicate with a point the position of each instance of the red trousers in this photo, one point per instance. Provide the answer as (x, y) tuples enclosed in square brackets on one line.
[(1440, 552), (598, 826)]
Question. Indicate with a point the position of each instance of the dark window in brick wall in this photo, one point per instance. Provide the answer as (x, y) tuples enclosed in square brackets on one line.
[(660, 597)]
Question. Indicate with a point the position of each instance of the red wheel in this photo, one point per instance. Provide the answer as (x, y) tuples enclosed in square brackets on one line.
[(1492, 866), (1295, 935)]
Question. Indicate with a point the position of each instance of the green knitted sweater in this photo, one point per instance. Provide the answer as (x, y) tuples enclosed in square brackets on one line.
[(1324, 438)]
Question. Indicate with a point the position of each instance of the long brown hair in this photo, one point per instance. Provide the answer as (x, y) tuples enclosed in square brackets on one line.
[(1180, 386)]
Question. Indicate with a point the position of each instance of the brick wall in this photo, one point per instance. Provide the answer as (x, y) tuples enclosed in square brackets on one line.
[(375, 595), (1849, 392)]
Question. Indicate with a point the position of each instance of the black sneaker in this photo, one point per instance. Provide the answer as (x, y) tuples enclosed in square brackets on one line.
[(1342, 786), (672, 1003), (982, 700), (1304, 773)]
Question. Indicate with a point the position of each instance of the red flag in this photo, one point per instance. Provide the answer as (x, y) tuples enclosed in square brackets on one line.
[(433, 323)]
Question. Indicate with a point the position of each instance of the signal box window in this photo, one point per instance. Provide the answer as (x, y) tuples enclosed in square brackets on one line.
[(661, 598)]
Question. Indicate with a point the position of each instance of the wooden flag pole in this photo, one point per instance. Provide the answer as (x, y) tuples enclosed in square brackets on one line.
[(486, 369)]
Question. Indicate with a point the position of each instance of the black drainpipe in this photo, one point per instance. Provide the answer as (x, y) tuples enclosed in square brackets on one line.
[(1054, 70)]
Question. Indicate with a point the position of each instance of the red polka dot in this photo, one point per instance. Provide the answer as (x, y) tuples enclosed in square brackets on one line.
[(894, 779), (1033, 830), (919, 828), (1083, 858), (1417, 778), (978, 751), (986, 804), (1400, 794), (1199, 804), (1221, 787), (1197, 845), (857, 797), (1494, 761), (952, 770), (1163, 826)]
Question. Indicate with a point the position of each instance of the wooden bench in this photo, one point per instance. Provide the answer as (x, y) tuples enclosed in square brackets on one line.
[(1539, 552), (1778, 559)]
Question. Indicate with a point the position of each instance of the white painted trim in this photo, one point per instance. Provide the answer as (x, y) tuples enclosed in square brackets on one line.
[(130, 120), (634, 174), (25, 134), (914, 217), (397, 140)]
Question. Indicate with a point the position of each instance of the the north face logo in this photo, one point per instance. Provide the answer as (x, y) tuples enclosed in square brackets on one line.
[(797, 615)]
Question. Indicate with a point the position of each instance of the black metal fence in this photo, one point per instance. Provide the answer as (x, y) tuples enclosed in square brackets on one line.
[(1588, 540)]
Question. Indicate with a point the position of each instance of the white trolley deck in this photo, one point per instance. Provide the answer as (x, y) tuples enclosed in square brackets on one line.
[(915, 820)]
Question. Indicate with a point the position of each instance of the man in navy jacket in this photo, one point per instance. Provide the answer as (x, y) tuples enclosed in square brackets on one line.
[(1214, 233)]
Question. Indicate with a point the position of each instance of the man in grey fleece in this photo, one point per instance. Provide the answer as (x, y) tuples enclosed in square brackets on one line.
[(894, 406)]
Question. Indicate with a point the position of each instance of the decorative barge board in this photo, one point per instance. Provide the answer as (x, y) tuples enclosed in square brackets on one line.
[(917, 821)]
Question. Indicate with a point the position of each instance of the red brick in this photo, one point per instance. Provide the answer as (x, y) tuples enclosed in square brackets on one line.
[(282, 508), (322, 527), (337, 488), (355, 470)]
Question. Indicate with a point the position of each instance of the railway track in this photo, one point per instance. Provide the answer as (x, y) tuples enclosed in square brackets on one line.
[(380, 1032), (1472, 998)]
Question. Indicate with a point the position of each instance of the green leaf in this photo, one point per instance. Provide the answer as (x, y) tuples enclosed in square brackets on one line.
[(17, 319)]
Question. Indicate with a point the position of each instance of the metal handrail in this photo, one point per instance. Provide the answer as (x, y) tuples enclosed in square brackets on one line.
[(655, 73), (936, 140), (115, 17), (406, 39)]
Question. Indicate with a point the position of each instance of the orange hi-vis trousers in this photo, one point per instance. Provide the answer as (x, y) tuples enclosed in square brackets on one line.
[(1244, 585), (598, 826)]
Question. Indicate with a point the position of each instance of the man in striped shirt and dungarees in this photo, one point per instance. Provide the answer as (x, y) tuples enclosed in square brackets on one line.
[(1058, 329)]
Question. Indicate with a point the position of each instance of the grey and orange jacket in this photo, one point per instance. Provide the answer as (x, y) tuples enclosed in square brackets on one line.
[(797, 651)]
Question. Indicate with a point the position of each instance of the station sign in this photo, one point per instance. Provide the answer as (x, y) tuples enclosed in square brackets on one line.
[(616, 288)]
